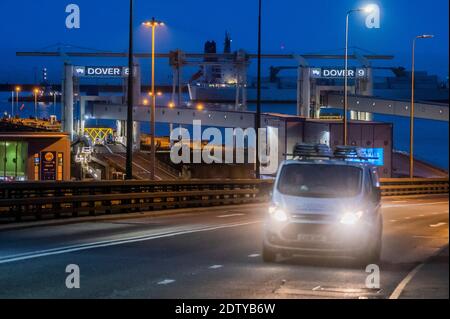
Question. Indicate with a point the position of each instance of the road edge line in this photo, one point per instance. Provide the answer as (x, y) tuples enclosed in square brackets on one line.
[(402, 285), (112, 243), (115, 217)]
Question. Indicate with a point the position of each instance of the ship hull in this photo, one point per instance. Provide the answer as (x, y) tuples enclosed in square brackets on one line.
[(228, 94)]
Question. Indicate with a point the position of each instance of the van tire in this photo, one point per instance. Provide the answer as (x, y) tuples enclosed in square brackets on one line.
[(268, 255), (373, 254)]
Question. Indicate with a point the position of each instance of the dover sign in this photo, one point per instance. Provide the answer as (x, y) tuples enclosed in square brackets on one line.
[(101, 71), (337, 73)]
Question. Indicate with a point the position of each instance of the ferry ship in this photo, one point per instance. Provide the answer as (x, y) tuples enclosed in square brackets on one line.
[(217, 83)]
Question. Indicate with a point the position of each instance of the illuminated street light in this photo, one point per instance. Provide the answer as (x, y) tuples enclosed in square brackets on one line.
[(17, 89), (153, 24), (54, 94), (368, 9), (36, 92), (411, 136), (157, 93)]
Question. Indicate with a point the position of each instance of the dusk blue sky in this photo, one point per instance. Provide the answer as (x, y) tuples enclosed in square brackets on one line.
[(298, 26)]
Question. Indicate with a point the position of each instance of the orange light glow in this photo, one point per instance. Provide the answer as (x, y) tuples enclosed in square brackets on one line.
[(200, 107)]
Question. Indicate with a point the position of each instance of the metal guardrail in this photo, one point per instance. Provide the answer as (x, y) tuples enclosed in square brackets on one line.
[(19, 201), (415, 186), (57, 199)]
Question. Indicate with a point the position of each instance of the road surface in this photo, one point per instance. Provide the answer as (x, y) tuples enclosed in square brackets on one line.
[(216, 254)]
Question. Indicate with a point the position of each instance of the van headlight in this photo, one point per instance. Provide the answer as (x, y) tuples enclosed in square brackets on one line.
[(278, 214), (351, 218)]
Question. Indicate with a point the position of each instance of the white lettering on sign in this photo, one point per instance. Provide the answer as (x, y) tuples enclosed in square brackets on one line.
[(338, 73), (104, 71), (99, 71), (73, 19)]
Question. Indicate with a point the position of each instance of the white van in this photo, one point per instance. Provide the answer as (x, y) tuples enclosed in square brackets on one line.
[(325, 207)]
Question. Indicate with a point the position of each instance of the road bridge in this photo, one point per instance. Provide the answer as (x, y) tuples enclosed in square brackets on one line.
[(369, 104), (216, 253)]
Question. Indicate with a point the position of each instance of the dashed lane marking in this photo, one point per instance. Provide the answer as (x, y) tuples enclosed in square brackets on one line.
[(215, 267), (438, 225), (166, 282), (230, 215)]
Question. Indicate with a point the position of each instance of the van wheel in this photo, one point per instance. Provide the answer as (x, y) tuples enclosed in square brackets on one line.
[(373, 254), (268, 255)]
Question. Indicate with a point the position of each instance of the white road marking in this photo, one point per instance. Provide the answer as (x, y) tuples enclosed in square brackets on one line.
[(393, 220), (411, 205), (421, 215), (254, 255), (428, 237), (166, 282), (438, 225), (215, 267), (408, 217), (229, 215), (399, 201), (402, 285), (116, 242)]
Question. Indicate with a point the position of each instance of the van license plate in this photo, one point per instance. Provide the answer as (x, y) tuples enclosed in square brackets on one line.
[(312, 238)]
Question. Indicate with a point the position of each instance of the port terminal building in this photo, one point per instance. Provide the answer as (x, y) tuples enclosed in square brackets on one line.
[(32, 154)]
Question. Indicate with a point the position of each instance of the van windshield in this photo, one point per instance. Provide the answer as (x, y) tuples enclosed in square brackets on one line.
[(320, 180)]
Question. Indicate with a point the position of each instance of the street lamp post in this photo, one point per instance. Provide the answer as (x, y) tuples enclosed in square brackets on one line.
[(258, 94), (18, 89), (130, 100), (411, 133), (54, 102), (153, 24), (367, 9), (12, 104), (36, 92)]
